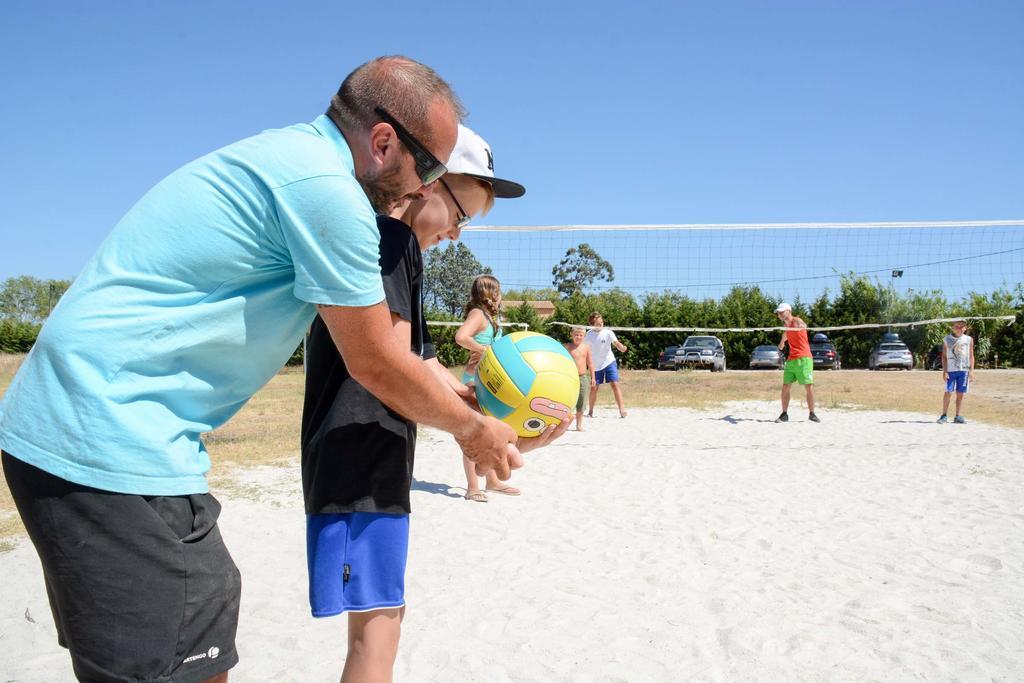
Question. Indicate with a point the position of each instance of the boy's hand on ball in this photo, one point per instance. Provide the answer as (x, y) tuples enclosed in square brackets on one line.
[(515, 460), (491, 446), (466, 393), (527, 444)]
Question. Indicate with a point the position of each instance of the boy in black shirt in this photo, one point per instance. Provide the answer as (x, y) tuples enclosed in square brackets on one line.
[(357, 454)]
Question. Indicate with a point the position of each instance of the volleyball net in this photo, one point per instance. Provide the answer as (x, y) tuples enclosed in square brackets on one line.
[(850, 281), (785, 260)]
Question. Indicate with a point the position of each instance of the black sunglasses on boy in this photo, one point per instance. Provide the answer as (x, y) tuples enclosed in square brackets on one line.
[(463, 219)]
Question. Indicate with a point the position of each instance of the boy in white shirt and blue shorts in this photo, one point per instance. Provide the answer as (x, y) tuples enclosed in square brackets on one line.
[(957, 369), (601, 341)]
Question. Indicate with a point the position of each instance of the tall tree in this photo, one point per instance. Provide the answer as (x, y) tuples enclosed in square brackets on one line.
[(999, 302), (28, 299), (1009, 339), (747, 307), (860, 300), (447, 276), (578, 270)]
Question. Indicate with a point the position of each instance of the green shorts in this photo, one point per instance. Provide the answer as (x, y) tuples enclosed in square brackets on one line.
[(799, 370), (584, 386)]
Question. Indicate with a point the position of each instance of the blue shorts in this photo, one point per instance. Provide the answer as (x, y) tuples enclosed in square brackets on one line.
[(609, 374), (957, 381), (356, 561)]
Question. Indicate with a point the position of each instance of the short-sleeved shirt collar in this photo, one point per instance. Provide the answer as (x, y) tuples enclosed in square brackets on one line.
[(327, 128)]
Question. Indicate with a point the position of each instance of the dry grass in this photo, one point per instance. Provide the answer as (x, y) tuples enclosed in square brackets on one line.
[(9, 364), (266, 430), (997, 396), (10, 523)]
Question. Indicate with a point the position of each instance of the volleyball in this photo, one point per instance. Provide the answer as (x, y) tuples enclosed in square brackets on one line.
[(528, 381)]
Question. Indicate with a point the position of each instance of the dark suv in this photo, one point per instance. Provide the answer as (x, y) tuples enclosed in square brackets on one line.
[(702, 352), (667, 359), (824, 353)]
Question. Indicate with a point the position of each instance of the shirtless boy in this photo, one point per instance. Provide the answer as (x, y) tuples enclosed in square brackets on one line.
[(580, 352)]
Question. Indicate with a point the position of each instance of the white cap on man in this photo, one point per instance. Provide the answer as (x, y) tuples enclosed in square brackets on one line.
[(472, 156), (783, 307)]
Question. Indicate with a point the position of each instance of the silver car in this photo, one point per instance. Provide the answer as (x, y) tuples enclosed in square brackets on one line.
[(891, 355), (766, 356), (702, 352)]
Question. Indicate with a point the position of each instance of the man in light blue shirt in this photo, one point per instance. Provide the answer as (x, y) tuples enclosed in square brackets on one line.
[(194, 301)]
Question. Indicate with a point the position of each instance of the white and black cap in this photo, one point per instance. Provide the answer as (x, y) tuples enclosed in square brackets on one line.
[(472, 156)]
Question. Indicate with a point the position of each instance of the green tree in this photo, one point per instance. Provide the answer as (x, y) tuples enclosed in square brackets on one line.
[(574, 309), (524, 313), (447, 276), (920, 306), (578, 270), (860, 301), (999, 302), (746, 307), (16, 336), (531, 294), (28, 299), (820, 313), (19, 298), (665, 309), (617, 307), (449, 354), (1008, 341)]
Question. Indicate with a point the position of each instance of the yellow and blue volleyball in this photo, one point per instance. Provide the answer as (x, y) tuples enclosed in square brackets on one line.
[(528, 381)]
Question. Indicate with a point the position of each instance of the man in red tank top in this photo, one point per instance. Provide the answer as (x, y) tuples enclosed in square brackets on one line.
[(800, 364)]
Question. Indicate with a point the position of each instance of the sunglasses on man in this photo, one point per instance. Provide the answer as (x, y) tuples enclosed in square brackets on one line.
[(428, 167)]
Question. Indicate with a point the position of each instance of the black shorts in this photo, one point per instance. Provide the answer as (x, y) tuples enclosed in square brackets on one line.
[(141, 587)]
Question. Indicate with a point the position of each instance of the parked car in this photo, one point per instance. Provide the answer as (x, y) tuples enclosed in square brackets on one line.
[(702, 352), (934, 359), (766, 356), (667, 358), (890, 354), (824, 353)]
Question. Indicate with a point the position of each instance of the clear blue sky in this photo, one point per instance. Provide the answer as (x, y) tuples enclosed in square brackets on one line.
[(625, 112)]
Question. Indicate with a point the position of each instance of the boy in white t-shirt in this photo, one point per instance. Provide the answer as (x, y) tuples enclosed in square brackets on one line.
[(606, 370), (957, 369)]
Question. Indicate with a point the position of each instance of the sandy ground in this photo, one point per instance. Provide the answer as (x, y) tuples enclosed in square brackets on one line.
[(673, 545)]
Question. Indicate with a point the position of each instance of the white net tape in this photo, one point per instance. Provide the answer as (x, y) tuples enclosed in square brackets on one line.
[(458, 323), (833, 328)]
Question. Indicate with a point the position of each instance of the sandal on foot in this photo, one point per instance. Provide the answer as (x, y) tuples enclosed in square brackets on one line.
[(476, 496), (506, 491)]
